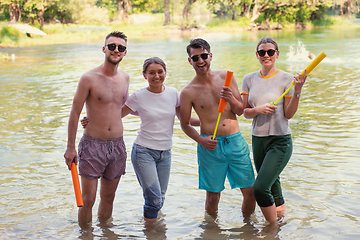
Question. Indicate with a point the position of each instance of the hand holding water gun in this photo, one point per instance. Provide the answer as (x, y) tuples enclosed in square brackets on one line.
[(308, 69), (222, 103)]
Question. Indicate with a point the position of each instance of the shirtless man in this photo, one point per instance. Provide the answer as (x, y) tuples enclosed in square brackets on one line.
[(102, 152), (228, 154)]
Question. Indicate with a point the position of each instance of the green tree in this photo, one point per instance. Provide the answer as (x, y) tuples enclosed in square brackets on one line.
[(37, 9), (225, 7), (14, 9)]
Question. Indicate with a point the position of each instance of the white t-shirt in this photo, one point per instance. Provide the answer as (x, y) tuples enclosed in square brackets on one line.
[(262, 90), (157, 113)]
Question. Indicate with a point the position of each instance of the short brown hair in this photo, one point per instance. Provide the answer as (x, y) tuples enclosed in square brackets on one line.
[(116, 34), (198, 43)]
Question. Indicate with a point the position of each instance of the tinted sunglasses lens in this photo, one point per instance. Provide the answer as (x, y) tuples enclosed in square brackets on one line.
[(195, 58), (204, 56), (271, 52), (111, 47), (121, 48)]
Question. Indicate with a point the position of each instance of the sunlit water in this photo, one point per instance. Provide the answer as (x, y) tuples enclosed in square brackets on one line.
[(321, 182)]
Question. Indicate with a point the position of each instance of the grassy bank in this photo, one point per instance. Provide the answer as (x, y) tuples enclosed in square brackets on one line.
[(139, 26)]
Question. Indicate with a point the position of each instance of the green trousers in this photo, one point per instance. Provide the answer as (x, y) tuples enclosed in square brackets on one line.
[(271, 154)]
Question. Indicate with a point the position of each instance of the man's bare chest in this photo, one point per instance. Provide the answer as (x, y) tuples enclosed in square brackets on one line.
[(206, 98), (107, 93)]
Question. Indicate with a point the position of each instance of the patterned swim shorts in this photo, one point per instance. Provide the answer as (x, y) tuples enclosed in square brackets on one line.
[(101, 157)]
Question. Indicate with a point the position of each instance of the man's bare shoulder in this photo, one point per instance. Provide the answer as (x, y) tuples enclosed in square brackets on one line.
[(122, 75), (91, 74), (220, 73), (96, 74), (190, 88)]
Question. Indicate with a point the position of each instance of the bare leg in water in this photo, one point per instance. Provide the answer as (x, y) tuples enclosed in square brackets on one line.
[(212, 203)]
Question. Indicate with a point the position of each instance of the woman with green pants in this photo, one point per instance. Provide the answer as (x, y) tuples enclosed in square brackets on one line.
[(271, 135)]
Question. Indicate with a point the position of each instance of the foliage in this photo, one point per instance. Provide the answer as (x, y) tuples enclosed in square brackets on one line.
[(334, 21), (4, 13), (110, 5), (93, 14), (9, 36), (225, 22), (224, 7), (141, 6), (226, 12)]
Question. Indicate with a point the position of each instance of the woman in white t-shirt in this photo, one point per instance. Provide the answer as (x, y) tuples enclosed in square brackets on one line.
[(271, 135), (156, 105)]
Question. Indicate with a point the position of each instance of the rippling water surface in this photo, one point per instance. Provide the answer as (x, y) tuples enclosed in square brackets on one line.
[(321, 182)]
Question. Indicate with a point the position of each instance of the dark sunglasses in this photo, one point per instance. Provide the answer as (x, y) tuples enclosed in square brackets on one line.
[(204, 56), (270, 52), (112, 47)]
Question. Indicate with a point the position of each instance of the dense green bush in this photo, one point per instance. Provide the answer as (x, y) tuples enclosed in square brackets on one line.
[(9, 35)]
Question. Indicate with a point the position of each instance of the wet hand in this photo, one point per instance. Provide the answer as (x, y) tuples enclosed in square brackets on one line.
[(226, 93), (266, 109), (299, 82), (69, 156), (208, 143), (85, 121)]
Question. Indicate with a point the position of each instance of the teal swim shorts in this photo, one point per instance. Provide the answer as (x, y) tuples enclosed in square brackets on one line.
[(231, 158)]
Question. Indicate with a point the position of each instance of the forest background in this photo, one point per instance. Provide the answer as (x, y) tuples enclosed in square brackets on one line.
[(151, 17)]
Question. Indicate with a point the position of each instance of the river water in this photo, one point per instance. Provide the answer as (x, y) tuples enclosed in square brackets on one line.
[(321, 182)]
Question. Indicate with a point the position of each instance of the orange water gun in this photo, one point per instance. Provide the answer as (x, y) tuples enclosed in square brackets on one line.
[(76, 183), (222, 103)]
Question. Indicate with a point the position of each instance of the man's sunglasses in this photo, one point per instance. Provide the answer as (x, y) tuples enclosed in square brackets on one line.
[(270, 52), (204, 56), (112, 47)]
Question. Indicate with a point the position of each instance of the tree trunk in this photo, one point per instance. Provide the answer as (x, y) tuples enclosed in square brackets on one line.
[(41, 18), (167, 12), (255, 12), (187, 8), (128, 6), (341, 9), (259, 8), (349, 4), (19, 13), (247, 9), (233, 11), (123, 7), (13, 12)]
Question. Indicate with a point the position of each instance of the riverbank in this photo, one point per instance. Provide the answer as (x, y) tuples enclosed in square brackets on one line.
[(149, 26)]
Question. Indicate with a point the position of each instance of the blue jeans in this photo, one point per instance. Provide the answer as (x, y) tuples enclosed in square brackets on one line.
[(152, 168)]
